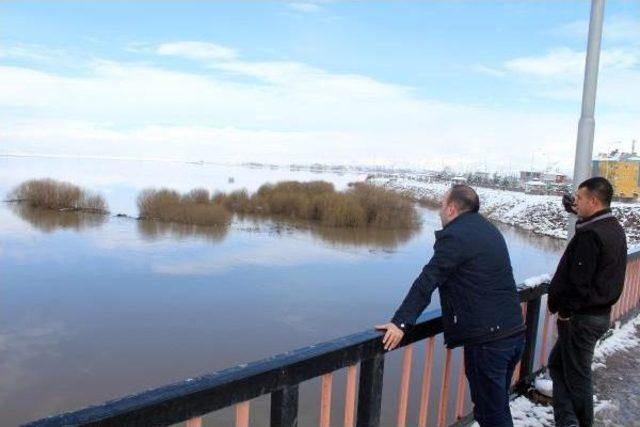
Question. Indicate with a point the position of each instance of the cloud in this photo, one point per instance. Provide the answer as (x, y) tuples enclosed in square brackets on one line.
[(489, 71), (567, 62), (558, 75), (271, 111), (616, 29), (31, 52), (197, 50), (306, 7), (559, 61)]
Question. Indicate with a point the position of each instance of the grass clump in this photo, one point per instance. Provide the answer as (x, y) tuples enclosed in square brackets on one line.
[(384, 208), (58, 195), (362, 205), (194, 207)]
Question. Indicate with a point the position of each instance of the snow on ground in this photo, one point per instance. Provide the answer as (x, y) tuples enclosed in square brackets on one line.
[(541, 214), (526, 413), (534, 281), (622, 338)]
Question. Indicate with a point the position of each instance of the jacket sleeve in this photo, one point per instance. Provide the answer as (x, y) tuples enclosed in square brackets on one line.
[(446, 257), (582, 269)]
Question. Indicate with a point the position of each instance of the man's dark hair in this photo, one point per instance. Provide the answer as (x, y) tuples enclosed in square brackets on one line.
[(600, 188), (464, 198)]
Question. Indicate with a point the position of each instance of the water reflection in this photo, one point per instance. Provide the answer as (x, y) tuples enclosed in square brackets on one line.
[(336, 236), (539, 241), (371, 237), (154, 230), (48, 220), (342, 237)]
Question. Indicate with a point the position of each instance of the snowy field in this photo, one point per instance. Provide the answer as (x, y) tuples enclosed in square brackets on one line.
[(540, 214)]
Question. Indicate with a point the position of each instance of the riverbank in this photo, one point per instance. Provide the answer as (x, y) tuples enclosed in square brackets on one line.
[(539, 214)]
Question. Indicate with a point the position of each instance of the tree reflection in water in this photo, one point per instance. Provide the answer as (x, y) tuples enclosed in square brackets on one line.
[(154, 230), (48, 220)]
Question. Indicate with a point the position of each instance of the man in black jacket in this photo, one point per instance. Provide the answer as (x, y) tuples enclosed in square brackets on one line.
[(587, 282), (480, 306)]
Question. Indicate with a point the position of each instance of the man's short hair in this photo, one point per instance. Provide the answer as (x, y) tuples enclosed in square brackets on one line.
[(464, 198), (599, 187)]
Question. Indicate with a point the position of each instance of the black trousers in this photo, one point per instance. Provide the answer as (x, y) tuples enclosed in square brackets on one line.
[(570, 368), (489, 368)]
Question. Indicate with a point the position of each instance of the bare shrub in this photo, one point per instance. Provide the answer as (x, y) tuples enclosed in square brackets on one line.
[(385, 208), (361, 206), (51, 194), (237, 201), (197, 195), (339, 210), (191, 208)]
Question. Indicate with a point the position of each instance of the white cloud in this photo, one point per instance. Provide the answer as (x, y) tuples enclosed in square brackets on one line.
[(617, 28), (306, 7), (285, 112), (197, 50), (490, 71), (31, 52), (567, 62), (559, 61)]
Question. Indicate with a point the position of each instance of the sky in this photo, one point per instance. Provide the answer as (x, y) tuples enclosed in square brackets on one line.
[(472, 85)]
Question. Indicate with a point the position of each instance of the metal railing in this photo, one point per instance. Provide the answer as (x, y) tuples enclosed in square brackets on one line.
[(281, 375)]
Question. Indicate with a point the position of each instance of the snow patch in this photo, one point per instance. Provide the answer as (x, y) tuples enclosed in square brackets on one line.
[(621, 338), (540, 214), (544, 386), (525, 413), (534, 281)]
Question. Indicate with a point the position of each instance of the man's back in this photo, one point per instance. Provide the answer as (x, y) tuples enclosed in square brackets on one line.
[(480, 306), (479, 299)]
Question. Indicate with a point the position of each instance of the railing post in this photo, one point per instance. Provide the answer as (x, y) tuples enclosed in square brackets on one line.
[(531, 335), (370, 391), (284, 407)]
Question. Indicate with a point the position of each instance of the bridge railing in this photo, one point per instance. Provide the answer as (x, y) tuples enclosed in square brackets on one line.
[(361, 355)]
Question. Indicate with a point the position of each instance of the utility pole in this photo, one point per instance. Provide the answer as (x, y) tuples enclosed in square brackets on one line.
[(586, 126)]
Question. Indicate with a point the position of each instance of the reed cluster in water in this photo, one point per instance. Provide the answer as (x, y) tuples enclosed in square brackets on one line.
[(194, 207), (58, 195), (361, 205)]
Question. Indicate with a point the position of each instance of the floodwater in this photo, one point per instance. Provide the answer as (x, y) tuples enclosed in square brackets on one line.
[(95, 307)]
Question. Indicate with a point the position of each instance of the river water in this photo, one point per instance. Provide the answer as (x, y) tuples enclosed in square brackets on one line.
[(95, 307)]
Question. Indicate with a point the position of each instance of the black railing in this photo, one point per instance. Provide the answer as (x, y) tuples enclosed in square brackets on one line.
[(281, 375)]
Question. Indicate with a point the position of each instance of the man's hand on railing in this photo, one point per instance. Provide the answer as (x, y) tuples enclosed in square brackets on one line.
[(392, 336)]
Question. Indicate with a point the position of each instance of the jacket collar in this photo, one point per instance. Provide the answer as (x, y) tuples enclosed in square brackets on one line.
[(462, 215), (600, 215)]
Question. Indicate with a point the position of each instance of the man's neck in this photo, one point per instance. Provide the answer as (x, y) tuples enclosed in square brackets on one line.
[(595, 213)]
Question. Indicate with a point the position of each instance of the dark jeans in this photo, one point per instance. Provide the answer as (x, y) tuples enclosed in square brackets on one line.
[(570, 368), (489, 368)]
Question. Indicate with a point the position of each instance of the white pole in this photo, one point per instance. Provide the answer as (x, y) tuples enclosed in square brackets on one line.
[(586, 126)]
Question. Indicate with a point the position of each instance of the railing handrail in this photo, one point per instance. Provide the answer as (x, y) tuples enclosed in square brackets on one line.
[(195, 397)]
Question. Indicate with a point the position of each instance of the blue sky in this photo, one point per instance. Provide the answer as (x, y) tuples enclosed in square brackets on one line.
[(459, 83)]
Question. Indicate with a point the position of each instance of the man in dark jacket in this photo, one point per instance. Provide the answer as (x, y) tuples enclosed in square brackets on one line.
[(480, 306), (587, 282)]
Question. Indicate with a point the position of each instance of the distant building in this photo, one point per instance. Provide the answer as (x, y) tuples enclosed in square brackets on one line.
[(458, 180), (622, 170), (530, 176), (535, 187), (554, 178)]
